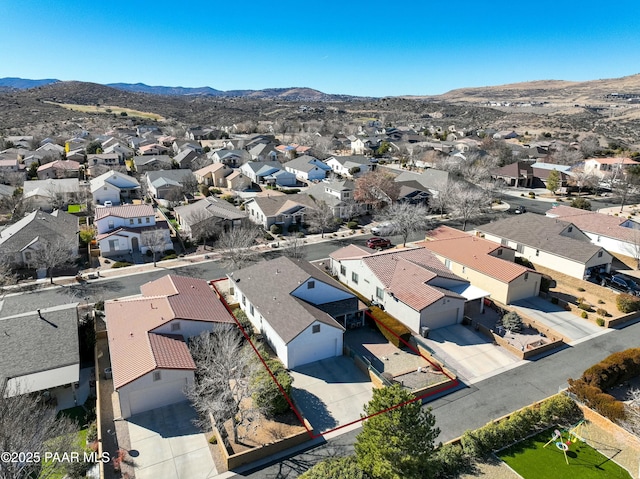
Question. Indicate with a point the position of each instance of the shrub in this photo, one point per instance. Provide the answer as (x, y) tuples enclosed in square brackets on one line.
[(215, 191), (276, 229), (243, 319), (168, 252), (353, 225), (336, 468), (169, 256), (229, 199), (512, 321), (602, 312), (121, 264), (450, 460), (601, 402), (584, 306), (290, 191), (532, 194), (584, 315), (581, 289), (600, 321), (601, 302), (268, 236), (266, 393), (627, 303), (391, 328), (523, 261)]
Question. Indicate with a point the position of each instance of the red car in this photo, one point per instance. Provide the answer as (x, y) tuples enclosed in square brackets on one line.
[(378, 243)]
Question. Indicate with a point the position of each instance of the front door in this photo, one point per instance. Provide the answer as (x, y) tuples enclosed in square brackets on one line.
[(135, 247)]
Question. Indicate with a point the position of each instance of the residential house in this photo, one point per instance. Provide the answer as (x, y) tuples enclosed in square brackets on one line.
[(338, 195), (21, 241), (51, 149), (109, 160), (604, 167), (180, 145), (59, 169), (237, 181), (142, 164), (162, 183), (263, 152), (150, 360), (522, 174), (53, 193), (431, 181), (185, 157), (233, 158), (214, 175), (10, 165), (122, 150), (412, 285), (153, 149), (40, 353), (198, 220), (616, 234), (351, 166), (549, 242), (257, 171), (505, 135), (129, 229), (301, 312), (486, 265), (112, 186), (76, 155), (307, 168), (281, 210)]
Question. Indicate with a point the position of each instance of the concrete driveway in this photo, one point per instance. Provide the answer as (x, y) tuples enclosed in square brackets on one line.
[(470, 353), (166, 445), (564, 322), (331, 393)]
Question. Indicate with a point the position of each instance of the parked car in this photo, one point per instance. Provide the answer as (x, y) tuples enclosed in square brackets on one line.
[(378, 243), (520, 209), (384, 229), (619, 283), (108, 203)]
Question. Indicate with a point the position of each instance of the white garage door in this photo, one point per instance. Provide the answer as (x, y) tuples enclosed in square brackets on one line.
[(313, 352), (157, 396), (442, 319)]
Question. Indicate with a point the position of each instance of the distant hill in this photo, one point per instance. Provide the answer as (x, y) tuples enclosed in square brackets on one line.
[(166, 90), (23, 84)]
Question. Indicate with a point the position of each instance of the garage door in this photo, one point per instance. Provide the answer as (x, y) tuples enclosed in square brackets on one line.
[(157, 396), (313, 352), (442, 319)]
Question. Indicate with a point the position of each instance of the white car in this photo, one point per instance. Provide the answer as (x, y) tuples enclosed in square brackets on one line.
[(384, 229), (108, 203)]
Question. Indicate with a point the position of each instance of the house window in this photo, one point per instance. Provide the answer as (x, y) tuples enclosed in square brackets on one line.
[(504, 242), (354, 277), (157, 376), (131, 221), (569, 229), (447, 263), (244, 301), (526, 276), (315, 328), (311, 284), (104, 188), (598, 240), (464, 269), (500, 252), (537, 252), (148, 220), (251, 310), (343, 270), (379, 293), (139, 221), (110, 224), (599, 254), (113, 245), (175, 326), (520, 248)]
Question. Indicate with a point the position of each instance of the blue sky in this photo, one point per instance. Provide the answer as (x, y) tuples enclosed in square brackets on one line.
[(359, 48)]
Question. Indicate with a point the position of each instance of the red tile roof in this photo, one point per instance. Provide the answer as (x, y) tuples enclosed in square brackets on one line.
[(125, 211), (171, 352), (598, 223), (131, 324), (445, 232), (475, 253)]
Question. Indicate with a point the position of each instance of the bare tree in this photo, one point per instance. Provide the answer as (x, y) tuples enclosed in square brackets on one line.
[(53, 254), (632, 409), (567, 156), (155, 240), (321, 218), (29, 425), (634, 246), (224, 365), (189, 184), (294, 248), (376, 189), (466, 202), (581, 178), (590, 146), (16, 205), (204, 226), (624, 182), (405, 218), (236, 243)]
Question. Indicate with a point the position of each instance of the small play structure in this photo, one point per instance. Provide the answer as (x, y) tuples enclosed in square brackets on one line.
[(572, 435)]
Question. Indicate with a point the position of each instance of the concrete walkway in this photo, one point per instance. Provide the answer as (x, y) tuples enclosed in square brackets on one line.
[(564, 322)]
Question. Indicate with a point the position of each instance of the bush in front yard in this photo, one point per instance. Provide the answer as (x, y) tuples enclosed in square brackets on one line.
[(584, 315), (602, 312), (266, 393), (627, 303), (512, 321), (121, 264), (584, 306)]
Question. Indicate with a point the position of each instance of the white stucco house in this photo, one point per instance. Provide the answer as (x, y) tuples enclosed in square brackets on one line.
[(301, 312), (307, 168), (150, 360), (351, 166), (111, 186), (128, 229)]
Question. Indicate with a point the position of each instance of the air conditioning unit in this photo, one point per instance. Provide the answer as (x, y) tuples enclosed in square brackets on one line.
[(424, 331)]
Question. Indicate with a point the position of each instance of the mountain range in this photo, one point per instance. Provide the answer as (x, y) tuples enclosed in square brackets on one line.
[(293, 93)]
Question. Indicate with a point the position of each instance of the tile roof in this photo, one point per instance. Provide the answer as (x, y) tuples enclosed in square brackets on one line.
[(614, 161), (443, 232), (268, 286), (171, 352), (617, 227), (351, 252), (544, 233), (275, 205), (212, 207), (475, 253), (131, 324), (124, 211)]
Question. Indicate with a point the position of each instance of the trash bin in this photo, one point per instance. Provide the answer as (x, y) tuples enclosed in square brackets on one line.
[(424, 331), (107, 373)]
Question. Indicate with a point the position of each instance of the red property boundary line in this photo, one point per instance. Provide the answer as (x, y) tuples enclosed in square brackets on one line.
[(454, 382)]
